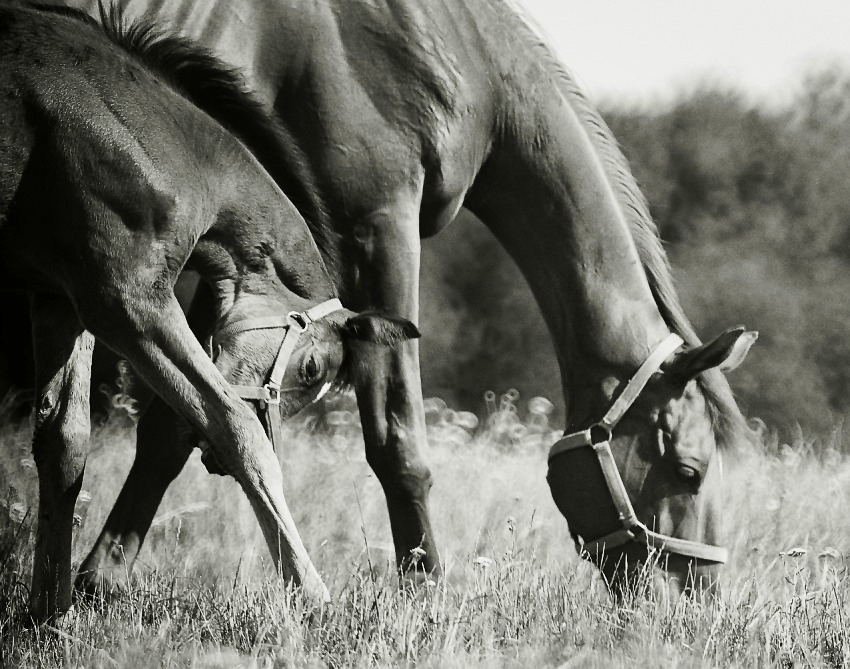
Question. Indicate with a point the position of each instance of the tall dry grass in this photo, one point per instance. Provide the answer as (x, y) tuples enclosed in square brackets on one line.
[(204, 593)]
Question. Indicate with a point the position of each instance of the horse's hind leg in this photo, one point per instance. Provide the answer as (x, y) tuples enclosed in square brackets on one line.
[(152, 333), (60, 443)]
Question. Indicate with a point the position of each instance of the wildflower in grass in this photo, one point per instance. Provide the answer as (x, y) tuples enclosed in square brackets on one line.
[(416, 555), (434, 405), (540, 406), (797, 551), (830, 553), (466, 420)]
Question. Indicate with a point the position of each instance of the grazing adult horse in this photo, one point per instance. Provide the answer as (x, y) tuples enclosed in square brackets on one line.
[(407, 111), (110, 182)]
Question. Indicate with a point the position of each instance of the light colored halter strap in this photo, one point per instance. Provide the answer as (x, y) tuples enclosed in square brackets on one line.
[(625, 400), (598, 437), (294, 325)]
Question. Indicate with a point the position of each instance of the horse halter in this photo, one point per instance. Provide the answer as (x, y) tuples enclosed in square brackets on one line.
[(294, 325), (598, 437)]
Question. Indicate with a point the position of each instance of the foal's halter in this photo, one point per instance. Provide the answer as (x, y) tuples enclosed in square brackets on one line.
[(598, 437), (294, 325)]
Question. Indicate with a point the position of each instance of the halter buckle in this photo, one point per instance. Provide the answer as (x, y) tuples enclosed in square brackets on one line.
[(599, 433), (272, 393), (299, 320)]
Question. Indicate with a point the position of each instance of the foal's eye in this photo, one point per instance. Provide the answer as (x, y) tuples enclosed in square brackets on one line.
[(687, 475), (312, 369)]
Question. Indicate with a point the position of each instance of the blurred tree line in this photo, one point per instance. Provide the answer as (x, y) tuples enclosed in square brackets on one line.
[(754, 205)]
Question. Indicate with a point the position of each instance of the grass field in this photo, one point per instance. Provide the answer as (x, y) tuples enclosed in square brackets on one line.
[(205, 595)]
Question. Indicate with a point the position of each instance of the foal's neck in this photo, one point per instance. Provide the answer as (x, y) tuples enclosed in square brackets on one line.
[(258, 239)]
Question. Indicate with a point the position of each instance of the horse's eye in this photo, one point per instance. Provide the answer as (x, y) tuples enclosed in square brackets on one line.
[(312, 369), (687, 475)]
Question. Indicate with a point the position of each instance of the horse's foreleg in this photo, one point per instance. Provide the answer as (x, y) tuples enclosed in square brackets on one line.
[(390, 397), (161, 454), (158, 342), (60, 443)]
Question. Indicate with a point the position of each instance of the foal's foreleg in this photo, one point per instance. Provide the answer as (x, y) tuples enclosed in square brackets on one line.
[(161, 453), (60, 444), (153, 335)]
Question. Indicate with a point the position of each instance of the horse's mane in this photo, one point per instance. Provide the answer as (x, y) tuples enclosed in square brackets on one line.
[(220, 91), (730, 425)]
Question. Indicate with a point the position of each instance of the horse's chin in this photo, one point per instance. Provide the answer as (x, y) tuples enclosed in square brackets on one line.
[(631, 572)]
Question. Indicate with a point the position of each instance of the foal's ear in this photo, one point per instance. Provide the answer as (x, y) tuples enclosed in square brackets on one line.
[(380, 329), (725, 352)]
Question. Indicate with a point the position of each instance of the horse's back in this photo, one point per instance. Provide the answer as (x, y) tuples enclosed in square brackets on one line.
[(375, 90)]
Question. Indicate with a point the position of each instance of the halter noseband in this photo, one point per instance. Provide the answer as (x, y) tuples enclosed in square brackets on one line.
[(294, 325), (598, 437)]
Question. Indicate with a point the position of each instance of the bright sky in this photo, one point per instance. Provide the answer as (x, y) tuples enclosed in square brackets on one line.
[(644, 50)]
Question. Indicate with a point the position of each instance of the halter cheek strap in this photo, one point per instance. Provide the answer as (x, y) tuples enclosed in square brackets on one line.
[(598, 437), (294, 325)]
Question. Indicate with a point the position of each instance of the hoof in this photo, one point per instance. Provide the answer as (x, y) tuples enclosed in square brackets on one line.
[(97, 586), (35, 617)]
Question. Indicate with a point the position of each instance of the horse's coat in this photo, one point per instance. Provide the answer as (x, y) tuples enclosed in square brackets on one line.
[(110, 182), (408, 110)]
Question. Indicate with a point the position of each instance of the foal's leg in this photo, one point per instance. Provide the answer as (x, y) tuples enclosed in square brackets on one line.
[(153, 334), (161, 453), (390, 398), (60, 444)]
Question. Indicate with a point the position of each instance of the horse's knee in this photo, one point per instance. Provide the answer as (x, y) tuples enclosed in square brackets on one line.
[(416, 480), (400, 473)]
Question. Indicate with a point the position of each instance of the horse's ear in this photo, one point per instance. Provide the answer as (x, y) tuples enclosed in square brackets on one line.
[(380, 329), (725, 352)]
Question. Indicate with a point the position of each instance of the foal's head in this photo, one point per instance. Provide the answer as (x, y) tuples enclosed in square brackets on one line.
[(291, 358)]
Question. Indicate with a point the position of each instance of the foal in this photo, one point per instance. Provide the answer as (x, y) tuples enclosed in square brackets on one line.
[(110, 182)]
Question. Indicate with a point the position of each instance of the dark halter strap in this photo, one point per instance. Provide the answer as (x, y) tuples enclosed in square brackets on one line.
[(294, 325), (598, 437)]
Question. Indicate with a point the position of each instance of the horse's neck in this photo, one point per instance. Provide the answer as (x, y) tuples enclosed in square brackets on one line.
[(548, 196)]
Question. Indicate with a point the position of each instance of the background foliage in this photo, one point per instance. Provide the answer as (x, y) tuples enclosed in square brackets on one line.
[(753, 204)]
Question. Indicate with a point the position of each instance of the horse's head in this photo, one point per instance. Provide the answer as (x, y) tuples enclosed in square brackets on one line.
[(288, 360), (641, 489)]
